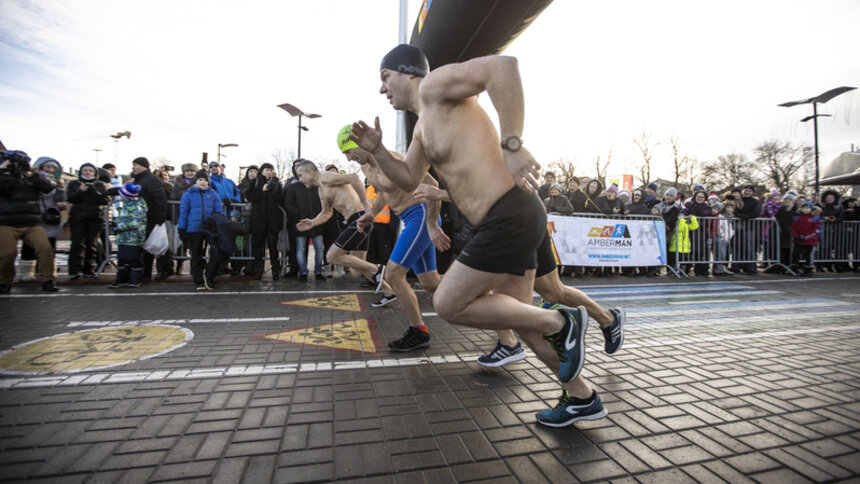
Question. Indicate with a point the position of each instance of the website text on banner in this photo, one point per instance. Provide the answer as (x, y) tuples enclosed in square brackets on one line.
[(598, 242)]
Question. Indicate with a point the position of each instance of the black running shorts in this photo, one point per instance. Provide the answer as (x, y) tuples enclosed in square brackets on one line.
[(545, 256), (506, 240), (351, 239)]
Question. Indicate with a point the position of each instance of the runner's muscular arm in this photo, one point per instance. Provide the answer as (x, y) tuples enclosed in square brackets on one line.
[(499, 76), (406, 174), (306, 224), (434, 207), (369, 216)]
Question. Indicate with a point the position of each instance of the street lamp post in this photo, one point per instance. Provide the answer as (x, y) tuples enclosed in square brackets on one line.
[(294, 111), (224, 145), (815, 101)]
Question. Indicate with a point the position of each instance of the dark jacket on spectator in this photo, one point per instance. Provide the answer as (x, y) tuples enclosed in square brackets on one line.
[(698, 209), (590, 203), (302, 202), (266, 214), (20, 198), (607, 206), (180, 185), (638, 208), (152, 190), (784, 217), (559, 204), (835, 209), (750, 210), (577, 199), (87, 205)]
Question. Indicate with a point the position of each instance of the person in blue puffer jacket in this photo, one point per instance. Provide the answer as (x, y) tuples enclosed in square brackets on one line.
[(198, 204)]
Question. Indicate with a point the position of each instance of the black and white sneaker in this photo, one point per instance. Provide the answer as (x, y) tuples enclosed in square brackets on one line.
[(117, 285), (614, 333), (384, 301), (412, 339), (378, 277), (502, 355)]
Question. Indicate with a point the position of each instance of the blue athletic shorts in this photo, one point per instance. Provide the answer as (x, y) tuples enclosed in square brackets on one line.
[(413, 248)]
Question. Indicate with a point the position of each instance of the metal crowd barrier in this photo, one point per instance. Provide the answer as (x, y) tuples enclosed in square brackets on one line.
[(839, 242), (179, 252), (724, 242)]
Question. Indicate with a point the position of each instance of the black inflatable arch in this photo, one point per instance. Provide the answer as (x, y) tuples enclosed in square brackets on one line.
[(459, 30)]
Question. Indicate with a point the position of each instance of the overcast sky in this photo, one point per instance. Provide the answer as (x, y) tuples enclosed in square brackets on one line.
[(185, 76)]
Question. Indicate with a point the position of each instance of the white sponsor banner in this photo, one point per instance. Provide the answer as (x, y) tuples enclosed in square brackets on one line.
[(597, 242)]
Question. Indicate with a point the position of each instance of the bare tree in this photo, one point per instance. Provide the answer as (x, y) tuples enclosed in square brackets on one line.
[(681, 165), (781, 163), (731, 170), (600, 168), (564, 169), (647, 150), (283, 161)]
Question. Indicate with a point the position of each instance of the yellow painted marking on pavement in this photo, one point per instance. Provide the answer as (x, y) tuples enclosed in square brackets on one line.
[(355, 335), (92, 349), (343, 302)]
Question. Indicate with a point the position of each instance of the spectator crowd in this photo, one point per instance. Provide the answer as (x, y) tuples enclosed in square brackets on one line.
[(242, 224)]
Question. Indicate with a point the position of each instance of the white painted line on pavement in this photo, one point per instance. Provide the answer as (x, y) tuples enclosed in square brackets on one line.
[(703, 301), (74, 324), (278, 369)]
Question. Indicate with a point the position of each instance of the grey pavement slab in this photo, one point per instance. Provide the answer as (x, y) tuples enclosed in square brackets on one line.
[(737, 380)]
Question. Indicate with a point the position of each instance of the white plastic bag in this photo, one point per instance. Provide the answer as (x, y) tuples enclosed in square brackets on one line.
[(157, 243)]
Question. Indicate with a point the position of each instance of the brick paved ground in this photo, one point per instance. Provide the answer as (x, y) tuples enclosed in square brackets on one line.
[(742, 380)]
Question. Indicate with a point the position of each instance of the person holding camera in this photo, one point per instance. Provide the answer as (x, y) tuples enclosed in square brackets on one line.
[(264, 193), (53, 203), (88, 197), (21, 191)]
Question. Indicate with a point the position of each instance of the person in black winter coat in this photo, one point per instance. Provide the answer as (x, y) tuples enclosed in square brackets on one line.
[(264, 193), (152, 191), (302, 203), (832, 213), (21, 191), (784, 217), (88, 197), (744, 248), (291, 220), (575, 195)]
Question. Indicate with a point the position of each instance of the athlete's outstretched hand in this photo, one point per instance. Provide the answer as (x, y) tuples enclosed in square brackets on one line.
[(304, 225), (523, 168), (439, 239), (364, 221), (366, 137)]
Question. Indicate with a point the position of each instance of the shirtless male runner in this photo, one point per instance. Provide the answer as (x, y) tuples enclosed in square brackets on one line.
[(414, 248), (344, 193), (553, 292), (490, 284)]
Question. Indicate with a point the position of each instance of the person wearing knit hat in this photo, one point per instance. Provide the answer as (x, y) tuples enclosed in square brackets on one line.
[(198, 204), (140, 161), (129, 191), (805, 230), (624, 195), (52, 204), (720, 232), (201, 174), (671, 192), (130, 231), (267, 165), (88, 197), (152, 190)]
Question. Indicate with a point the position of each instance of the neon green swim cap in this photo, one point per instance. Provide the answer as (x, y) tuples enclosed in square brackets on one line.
[(343, 142)]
